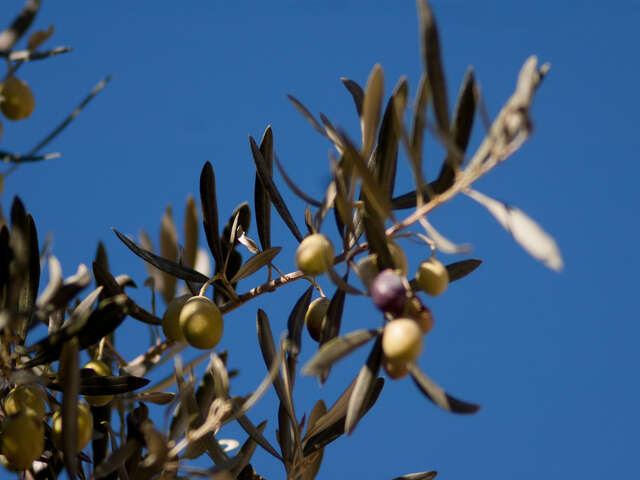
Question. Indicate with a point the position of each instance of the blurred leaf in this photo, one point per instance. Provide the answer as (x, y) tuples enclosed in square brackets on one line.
[(332, 133), (158, 398), (70, 288), (538, 243), (163, 264), (190, 232), (327, 204), (5, 255), (430, 475), (433, 64), (210, 212), (332, 322), (285, 435), (437, 395), (295, 324), (458, 270), (418, 123), (294, 188), (241, 217), (117, 459), (38, 37), (356, 93), (371, 108), (377, 239), (364, 386), (92, 384), (331, 425), (306, 114), (70, 380), (154, 273), (254, 433), (274, 194), (262, 202), (336, 349), (19, 26), (255, 263), (247, 450)]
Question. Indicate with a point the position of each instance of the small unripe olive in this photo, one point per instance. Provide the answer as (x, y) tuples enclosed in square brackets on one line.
[(103, 370), (85, 426), (314, 254), (415, 310), (314, 318), (23, 398), (201, 323), (171, 319), (432, 277), (368, 266), (395, 370), (18, 100), (389, 291), (402, 341), (22, 440)]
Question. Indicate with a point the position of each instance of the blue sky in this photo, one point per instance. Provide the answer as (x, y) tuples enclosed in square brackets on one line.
[(550, 357)]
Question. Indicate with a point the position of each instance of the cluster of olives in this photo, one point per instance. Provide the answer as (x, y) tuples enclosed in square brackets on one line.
[(196, 320), (22, 429)]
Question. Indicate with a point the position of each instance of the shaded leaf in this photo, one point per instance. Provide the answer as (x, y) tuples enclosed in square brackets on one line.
[(38, 37), (246, 451), (117, 459), (163, 264), (285, 434), (255, 263), (371, 108), (295, 324), (538, 243), (19, 26), (209, 203), (364, 386), (274, 194), (91, 383), (418, 124), (306, 114), (437, 395), (190, 232), (458, 270), (336, 349), (254, 433), (262, 202), (356, 93), (430, 475), (158, 398), (331, 425), (294, 188), (70, 380)]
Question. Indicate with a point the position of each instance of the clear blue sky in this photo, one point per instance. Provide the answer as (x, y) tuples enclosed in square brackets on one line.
[(552, 358)]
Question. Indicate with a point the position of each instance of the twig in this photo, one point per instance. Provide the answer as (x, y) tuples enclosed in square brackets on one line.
[(23, 56)]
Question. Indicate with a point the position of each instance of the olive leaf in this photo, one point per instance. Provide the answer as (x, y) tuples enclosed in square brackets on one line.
[(262, 202), (356, 93), (430, 475), (294, 188), (437, 395), (336, 349), (190, 232), (70, 380), (306, 114), (274, 194), (168, 250), (458, 270), (254, 433), (163, 264), (364, 386), (371, 108), (209, 203), (255, 263), (295, 324), (538, 243)]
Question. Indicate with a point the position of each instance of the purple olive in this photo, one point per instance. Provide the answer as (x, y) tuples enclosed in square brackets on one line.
[(389, 292)]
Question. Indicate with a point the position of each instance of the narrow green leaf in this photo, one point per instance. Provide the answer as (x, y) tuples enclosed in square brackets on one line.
[(91, 383), (255, 263), (209, 203), (437, 395), (190, 232), (163, 264), (336, 349), (371, 108), (274, 194), (365, 384), (262, 202), (356, 93)]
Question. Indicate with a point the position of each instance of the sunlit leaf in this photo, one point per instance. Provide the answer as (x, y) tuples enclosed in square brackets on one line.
[(255, 263), (430, 475), (371, 108)]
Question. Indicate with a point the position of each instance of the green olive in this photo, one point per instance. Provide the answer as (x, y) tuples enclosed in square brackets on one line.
[(103, 370), (171, 319), (201, 323), (432, 277), (314, 254), (25, 397), (314, 318), (18, 102), (22, 440), (85, 426), (368, 266)]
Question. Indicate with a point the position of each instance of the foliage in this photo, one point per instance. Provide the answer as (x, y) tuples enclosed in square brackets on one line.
[(360, 199)]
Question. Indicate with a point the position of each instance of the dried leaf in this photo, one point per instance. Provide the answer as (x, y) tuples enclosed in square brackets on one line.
[(274, 194), (209, 203), (255, 263), (538, 243), (336, 349), (163, 264), (437, 395), (262, 202), (190, 232), (364, 386), (371, 108)]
